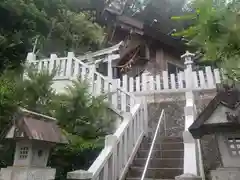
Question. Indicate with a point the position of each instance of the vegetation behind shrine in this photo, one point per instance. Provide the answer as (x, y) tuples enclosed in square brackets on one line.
[(215, 33)]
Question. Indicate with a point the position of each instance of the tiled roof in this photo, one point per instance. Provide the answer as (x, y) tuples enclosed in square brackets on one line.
[(228, 97), (34, 126)]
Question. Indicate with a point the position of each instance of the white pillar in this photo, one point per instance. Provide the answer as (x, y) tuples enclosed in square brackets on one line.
[(30, 57), (110, 71), (190, 156), (69, 64)]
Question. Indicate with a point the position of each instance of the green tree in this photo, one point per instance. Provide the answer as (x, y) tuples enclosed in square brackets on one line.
[(85, 119), (81, 113), (57, 26), (215, 33)]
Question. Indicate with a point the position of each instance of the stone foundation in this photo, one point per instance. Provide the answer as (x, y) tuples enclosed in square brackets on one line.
[(188, 177), (226, 174), (27, 173)]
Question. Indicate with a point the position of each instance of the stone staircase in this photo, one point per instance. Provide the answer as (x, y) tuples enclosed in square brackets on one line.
[(120, 148), (166, 161), (167, 157)]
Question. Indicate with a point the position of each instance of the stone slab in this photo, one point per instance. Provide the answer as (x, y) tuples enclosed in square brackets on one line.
[(188, 177), (225, 174), (29, 173)]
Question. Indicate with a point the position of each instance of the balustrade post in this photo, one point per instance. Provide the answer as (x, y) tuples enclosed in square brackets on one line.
[(110, 70), (30, 57), (111, 141), (69, 64), (190, 151), (53, 58), (145, 114), (91, 77)]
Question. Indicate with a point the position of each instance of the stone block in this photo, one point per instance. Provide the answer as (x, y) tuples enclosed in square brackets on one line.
[(226, 173), (79, 174), (188, 177), (29, 173)]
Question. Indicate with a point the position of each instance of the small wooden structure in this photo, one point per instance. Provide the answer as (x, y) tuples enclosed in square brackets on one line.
[(148, 44), (35, 135), (221, 117)]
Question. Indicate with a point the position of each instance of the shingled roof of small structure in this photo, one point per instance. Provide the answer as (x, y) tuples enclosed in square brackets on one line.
[(226, 96), (34, 126)]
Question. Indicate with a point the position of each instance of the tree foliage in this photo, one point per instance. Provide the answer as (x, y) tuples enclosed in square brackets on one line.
[(215, 33), (57, 26), (85, 119)]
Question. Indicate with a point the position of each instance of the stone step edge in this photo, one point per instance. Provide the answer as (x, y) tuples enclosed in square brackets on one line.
[(139, 178), (139, 167), (152, 158), (154, 150)]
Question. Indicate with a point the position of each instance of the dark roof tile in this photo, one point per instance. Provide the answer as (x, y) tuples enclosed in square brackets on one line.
[(228, 97), (38, 127)]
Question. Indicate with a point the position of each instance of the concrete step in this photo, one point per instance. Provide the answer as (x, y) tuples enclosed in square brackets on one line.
[(147, 179), (161, 153), (163, 146), (159, 162), (163, 139), (157, 173)]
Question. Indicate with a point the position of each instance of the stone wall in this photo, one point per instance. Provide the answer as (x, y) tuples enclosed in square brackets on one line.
[(173, 123)]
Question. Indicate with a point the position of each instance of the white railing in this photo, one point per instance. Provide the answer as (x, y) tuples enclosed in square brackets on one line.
[(121, 147), (119, 151), (70, 68), (206, 79), (152, 144)]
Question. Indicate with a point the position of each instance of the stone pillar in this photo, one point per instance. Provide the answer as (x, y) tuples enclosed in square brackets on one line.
[(190, 151)]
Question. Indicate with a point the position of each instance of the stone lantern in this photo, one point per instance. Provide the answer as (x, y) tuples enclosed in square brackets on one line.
[(35, 135), (221, 118)]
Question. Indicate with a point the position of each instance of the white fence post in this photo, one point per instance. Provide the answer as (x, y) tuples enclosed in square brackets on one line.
[(217, 76), (111, 141), (91, 78), (110, 70), (173, 81), (138, 89), (202, 79), (53, 58), (31, 57), (158, 81), (209, 74), (165, 80), (145, 116), (69, 64), (180, 80), (144, 82), (123, 95), (190, 151)]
